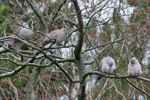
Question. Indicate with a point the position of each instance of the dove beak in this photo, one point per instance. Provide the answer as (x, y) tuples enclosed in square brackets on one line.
[(67, 32)]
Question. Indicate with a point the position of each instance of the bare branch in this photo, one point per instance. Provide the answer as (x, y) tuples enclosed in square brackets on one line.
[(61, 68), (96, 12), (80, 28), (118, 40), (118, 76), (38, 15), (8, 74), (56, 12), (12, 70), (137, 88)]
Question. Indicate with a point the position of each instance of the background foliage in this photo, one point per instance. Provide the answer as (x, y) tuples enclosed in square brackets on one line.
[(119, 29)]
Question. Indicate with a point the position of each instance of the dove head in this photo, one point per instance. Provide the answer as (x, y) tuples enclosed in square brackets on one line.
[(110, 62), (64, 30), (25, 25), (133, 60)]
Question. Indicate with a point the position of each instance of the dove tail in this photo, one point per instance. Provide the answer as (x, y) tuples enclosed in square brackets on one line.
[(97, 80), (45, 43), (48, 41)]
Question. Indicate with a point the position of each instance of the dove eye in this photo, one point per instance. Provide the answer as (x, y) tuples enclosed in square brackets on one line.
[(111, 64)]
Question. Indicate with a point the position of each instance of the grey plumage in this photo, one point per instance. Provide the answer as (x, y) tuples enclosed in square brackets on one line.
[(107, 65), (57, 35), (134, 67), (11, 43), (24, 32)]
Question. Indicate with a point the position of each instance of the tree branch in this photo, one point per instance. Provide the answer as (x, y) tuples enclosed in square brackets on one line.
[(137, 87), (118, 40), (96, 12), (56, 12), (61, 68), (80, 28), (8, 74), (118, 76), (38, 15)]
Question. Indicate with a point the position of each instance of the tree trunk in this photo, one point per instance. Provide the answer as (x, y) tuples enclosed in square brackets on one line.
[(30, 83), (81, 68)]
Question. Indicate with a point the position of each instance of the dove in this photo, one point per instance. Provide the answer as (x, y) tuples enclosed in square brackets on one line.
[(24, 32), (13, 44), (57, 35), (107, 65), (134, 67), (8, 44)]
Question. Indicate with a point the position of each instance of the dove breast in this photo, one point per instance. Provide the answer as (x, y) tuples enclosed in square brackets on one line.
[(25, 32), (107, 65), (134, 67), (58, 35)]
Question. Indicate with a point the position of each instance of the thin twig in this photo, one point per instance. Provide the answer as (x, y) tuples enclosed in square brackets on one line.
[(38, 15), (137, 87)]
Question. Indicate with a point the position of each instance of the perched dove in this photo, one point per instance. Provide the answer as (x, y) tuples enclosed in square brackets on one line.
[(134, 67), (10, 43), (58, 35), (24, 32), (107, 65)]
